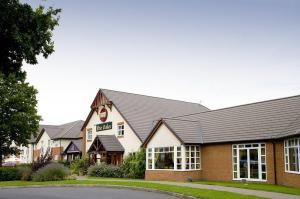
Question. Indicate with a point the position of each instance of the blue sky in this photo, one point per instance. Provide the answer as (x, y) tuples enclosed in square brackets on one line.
[(217, 52)]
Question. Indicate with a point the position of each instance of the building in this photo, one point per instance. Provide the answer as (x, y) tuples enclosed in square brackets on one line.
[(56, 138), (119, 122), (253, 142)]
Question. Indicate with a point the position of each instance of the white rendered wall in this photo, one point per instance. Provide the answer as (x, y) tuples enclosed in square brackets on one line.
[(129, 141), (163, 138)]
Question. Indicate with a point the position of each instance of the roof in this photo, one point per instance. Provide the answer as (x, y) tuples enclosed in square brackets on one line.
[(141, 111), (77, 143), (265, 120), (110, 143), (70, 130)]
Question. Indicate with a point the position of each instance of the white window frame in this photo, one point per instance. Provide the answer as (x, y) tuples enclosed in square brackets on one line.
[(287, 155), (121, 129), (89, 136), (258, 146), (183, 158)]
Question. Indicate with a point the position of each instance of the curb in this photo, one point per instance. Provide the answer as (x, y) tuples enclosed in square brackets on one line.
[(178, 195)]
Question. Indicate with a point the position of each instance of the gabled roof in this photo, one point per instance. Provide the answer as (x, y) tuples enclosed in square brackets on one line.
[(76, 143), (109, 142), (265, 120), (141, 111), (70, 130)]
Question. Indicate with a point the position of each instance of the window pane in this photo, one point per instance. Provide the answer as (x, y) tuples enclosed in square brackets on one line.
[(235, 175), (254, 163), (243, 164), (294, 159), (234, 152), (263, 159), (164, 160), (264, 176)]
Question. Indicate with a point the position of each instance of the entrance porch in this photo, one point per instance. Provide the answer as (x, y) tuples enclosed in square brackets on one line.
[(106, 149)]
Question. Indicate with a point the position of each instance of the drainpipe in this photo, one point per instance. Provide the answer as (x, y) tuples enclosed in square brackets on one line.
[(274, 162)]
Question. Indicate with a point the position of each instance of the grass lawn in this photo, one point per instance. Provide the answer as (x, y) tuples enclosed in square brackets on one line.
[(112, 179), (199, 193), (256, 186)]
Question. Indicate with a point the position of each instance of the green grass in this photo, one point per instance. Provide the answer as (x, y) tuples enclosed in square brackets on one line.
[(255, 186), (199, 193), (112, 179)]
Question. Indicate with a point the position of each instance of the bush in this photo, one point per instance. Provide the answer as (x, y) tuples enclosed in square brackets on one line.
[(9, 174), (65, 163), (42, 161), (80, 166), (25, 172), (51, 172), (134, 165), (105, 170)]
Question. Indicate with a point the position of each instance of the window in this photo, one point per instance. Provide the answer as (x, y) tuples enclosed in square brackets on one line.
[(174, 157), (179, 158), (149, 158), (292, 155), (120, 129), (164, 158), (89, 135), (192, 157), (249, 161)]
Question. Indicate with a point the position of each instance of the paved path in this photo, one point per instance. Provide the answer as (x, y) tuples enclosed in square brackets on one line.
[(264, 194), (79, 193)]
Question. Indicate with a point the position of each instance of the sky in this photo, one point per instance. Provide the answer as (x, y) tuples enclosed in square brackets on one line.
[(219, 53)]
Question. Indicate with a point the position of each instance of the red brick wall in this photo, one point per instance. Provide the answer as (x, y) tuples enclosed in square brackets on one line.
[(56, 153), (36, 154), (283, 178), (216, 162), (172, 175)]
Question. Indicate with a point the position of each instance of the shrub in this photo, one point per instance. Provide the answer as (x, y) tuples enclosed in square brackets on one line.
[(105, 170), (42, 161), (51, 172), (80, 166), (134, 165), (65, 163), (9, 174), (25, 172)]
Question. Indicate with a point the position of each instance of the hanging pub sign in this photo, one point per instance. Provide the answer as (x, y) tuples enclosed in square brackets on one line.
[(104, 126), (103, 114)]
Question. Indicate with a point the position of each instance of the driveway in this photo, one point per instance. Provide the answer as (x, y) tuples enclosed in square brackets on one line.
[(79, 193)]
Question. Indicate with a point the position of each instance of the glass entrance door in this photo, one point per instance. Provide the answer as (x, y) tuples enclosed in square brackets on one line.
[(243, 161), (249, 162)]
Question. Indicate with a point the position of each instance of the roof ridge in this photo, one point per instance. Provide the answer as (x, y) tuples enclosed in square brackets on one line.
[(67, 130), (230, 107), (154, 97)]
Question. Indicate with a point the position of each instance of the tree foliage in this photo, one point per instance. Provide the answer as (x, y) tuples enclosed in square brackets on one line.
[(24, 34), (18, 114)]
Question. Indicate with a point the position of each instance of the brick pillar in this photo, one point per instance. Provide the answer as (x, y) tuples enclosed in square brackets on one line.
[(84, 143)]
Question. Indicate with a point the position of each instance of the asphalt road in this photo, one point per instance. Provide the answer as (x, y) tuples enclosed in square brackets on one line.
[(79, 193)]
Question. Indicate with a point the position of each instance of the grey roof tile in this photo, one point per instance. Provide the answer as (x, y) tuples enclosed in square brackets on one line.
[(142, 111), (257, 121), (110, 143)]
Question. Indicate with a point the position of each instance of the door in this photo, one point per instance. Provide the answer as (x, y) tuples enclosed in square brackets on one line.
[(248, 164), (243, 161)]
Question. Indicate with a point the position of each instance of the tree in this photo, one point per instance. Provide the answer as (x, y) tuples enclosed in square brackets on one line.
[(18, 114), (24, 34)]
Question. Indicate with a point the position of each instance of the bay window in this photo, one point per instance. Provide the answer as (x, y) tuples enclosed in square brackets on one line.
[(174, 158), (292, 155)]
